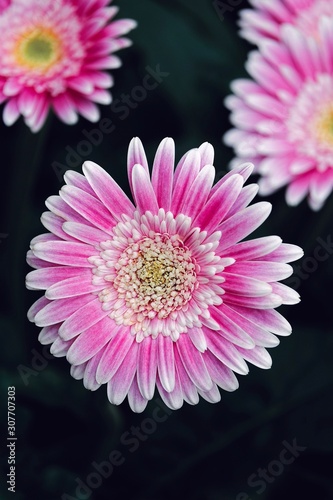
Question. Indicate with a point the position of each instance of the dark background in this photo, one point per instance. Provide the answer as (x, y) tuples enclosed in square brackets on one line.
[(203, 452)]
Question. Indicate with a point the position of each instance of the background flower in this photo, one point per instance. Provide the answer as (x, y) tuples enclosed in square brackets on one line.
[(284, 117), (48, 62), (266, 18), (155, 294)]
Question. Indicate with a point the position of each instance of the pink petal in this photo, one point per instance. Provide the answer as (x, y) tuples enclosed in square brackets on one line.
[(73, 178), (195, 198), (77, 371), (60, 347), (243, 223), (212, 396), (265, 271), (72, 287), (136, 155), (114, 354), (206, 151), (166, 362), (108, 191), (135, 399), (64, 252), (288, 295), (86, 345), (121, 382), (147, 367), (58, 310), (258, 356), (188, 388), (284, 253), (193, 363), (271, 320), (254, 249), (54, 224), (219, 204), (86, 234), (162, 174), (143, 191), (229, 329), (186, 171), (88, 207), (267, 302), (84, 317), (36, 307), (60, 208), (41, 279), (259, 335), (64, 108), (223, 376), (11, 112), (244, 285), (225, 351), (198, 338), (173, 399), (89, 377), (48, 334)]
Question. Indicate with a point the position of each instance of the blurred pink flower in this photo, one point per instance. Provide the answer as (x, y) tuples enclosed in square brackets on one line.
[(267, 17), (160, 292), (55, 54), (284, 118)]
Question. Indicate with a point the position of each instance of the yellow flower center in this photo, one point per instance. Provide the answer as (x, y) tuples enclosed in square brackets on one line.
[(39, 48), (324, 127)]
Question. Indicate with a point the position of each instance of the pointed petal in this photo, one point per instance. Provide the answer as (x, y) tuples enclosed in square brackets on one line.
[(219, 204), (83, 318), (136, 155), (243, 223), (121, 382), (107, 190), (86, 345), (135, 399), (225, 351), (64, 252), (143, 191), (56, 311), (162, 174), (147, 367), (193, 363), (166, 363), (114, 354)]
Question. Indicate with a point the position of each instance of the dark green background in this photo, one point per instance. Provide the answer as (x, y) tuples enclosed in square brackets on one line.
[(205, 452)]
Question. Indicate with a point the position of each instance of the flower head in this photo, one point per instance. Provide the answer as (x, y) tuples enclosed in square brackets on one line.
[(55, 54), (160, 292), (284, 118), (265, 21)]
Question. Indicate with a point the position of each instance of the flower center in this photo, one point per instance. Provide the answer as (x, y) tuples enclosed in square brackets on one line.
[(310, 121), (324, 127), (153, 273), (38, 49), (155, 277)]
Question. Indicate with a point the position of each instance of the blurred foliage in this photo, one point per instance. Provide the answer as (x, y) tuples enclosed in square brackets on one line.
[(205, 452)]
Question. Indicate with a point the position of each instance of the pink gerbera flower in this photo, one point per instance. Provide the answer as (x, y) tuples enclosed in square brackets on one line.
[(54, 54), (159, 292), (268, 16), (284, 118)]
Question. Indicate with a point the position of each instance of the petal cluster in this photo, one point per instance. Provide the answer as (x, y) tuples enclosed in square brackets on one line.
[(265, 20), (159, 293), (283, 118), (47, 62)]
